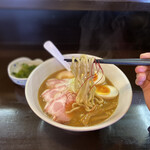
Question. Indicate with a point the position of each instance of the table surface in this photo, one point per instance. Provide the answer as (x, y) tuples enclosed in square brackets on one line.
[(130, 5), (21, 129)]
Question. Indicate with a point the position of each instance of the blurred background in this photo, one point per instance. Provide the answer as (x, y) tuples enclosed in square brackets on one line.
[(102, 29)]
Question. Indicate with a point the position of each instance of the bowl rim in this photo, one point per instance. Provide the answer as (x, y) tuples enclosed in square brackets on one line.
[(73, 128)]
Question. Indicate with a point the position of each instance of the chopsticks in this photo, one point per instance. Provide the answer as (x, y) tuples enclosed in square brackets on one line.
[(126, 61)]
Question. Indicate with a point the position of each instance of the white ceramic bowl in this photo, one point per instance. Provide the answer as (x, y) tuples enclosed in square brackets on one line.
[(116, 76), (15, 66)]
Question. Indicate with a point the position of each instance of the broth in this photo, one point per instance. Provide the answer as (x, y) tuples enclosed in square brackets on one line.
[(102, 114)]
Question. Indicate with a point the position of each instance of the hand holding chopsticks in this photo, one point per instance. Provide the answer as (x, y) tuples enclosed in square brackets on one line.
[(143, 78)]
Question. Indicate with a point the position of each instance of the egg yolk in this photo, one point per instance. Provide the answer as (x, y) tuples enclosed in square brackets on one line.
[(95, 77), (102, 89)]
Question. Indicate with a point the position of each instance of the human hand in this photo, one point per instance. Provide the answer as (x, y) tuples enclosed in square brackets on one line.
[(143, 79)]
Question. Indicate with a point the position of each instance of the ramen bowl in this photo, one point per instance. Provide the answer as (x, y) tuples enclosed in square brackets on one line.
[(113, 73)]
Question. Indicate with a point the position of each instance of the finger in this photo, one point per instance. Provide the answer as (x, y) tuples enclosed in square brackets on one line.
[(140, 69), (145, 55), (138, 83), (140, 78)]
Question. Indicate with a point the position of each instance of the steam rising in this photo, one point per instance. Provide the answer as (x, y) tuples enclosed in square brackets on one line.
[(104, 32)]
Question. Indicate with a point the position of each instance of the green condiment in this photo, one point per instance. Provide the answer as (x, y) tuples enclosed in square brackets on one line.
[(24, 71)]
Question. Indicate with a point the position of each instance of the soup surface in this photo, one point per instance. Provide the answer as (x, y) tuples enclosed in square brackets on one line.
[(81, 117)]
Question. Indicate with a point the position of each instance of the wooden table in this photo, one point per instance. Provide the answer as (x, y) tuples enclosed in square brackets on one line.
[(21, 129)]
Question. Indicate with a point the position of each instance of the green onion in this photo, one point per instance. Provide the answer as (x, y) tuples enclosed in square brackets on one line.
[(25, 71)]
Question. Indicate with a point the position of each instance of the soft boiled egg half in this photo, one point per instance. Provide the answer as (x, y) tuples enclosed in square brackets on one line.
[(99, 78), (106, 91)]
